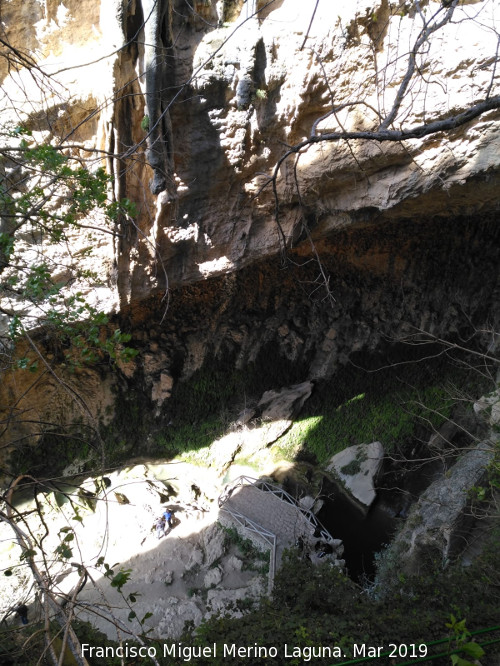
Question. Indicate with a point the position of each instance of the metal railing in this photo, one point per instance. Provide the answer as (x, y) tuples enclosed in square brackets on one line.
[(432, 657), (281, 494), (269, 538)]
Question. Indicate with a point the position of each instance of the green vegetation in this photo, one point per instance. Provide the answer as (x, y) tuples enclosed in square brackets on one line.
[(460, 641), (392, 405), (47, 195), (254, 559), (201, 409), (52, 453), (44, 200), (204, 406), (218, 386), (317, 605), (259, 96), (395, 405), (188, 438), (353, 467), (288, 446)]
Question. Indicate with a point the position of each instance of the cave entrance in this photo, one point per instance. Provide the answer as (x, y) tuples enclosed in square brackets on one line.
[(363, 534)]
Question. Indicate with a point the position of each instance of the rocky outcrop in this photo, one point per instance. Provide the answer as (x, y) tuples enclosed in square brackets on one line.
[(285, 403), (439, 523), (360, 244), (254, 93), (357, 468), (229, 105), (258, 427), (489, 408)]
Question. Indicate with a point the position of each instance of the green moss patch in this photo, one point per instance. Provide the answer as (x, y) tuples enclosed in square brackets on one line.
[(394, 406)]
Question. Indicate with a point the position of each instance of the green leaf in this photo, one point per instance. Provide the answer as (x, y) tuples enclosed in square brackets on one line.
[(6, 244), (20, 130), (120, 578), (64, 551), (473, 650), (458, 661)]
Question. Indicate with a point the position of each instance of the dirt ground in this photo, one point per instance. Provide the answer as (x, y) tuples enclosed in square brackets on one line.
[(188, 574)]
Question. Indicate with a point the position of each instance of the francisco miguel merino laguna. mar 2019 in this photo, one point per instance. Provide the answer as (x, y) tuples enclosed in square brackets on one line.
[(233, 651)]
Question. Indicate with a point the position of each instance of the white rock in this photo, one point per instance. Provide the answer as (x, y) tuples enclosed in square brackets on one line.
[(195, 558), (365, 460), (213, 543), (285, 403), (490, 402), (168, 577), (213, 577), (307, 502), (175, 614), (233, 563)]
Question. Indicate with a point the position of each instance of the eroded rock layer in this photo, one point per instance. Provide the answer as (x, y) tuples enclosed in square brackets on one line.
[(388, 282)]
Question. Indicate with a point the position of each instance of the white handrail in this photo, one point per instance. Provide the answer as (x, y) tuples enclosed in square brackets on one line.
[(265, 486)]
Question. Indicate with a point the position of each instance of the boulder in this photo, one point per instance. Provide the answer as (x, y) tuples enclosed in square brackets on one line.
[(225, 601), (442, 439), (233, 602), (284, 404), (167, 578), (489, 407), (233, 563), (195, 559), (213, 577), (275, 411), (224, 450), (213, 544), (357, 467), (307, 502), (244, 417), (175, 614)]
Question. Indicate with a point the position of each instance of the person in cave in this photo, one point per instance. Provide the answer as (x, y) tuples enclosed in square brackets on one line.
[(22, 611), (160, 527), (168, 518)]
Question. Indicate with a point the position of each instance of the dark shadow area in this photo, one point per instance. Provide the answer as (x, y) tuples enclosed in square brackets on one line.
[(363, 534)]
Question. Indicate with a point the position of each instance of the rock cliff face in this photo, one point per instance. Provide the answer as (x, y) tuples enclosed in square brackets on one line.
[(438, 525), (195, 103), (254, 91)]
